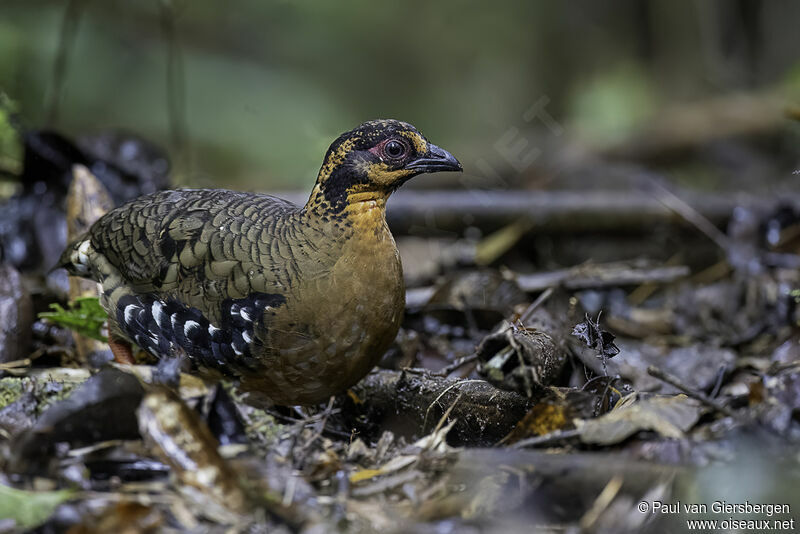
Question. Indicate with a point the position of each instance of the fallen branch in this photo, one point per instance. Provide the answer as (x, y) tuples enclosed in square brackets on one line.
[(602, 275), (427, 212), (404, 401)]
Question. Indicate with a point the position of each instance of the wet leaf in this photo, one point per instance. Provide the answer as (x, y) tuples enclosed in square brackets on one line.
[(669, 416), (30, 509), (698, 365), (594, 337), (476, 290), (365, 474), (542, 419), (16, 315)]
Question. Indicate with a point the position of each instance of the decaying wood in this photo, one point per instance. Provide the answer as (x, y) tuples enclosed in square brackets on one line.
[(412, 402), (521, 359), (183, 441), (16, 316), (87, 201)]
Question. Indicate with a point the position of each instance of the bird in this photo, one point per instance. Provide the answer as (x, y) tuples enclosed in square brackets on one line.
[(296, 302)]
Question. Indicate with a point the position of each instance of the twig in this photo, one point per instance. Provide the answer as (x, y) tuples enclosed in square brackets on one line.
[(646, 289), (565, 212), (456, 364), (702, 397), (447, 413), (16, 364), (552, 437), (322, 421), (541, 299), (436, 400), (597, 275), (289, 420), (601, 503), (673, 202)]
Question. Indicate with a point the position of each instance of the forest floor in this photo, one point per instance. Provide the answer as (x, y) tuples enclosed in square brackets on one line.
[(620, 354)]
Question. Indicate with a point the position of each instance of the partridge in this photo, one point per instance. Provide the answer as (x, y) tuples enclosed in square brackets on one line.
[(297, 302)]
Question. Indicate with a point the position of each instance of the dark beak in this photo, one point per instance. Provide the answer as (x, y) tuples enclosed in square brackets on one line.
[(436, 160)]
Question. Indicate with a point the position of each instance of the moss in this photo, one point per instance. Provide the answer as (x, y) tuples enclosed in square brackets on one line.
[(53, 391), (12, 388), (261, 427)]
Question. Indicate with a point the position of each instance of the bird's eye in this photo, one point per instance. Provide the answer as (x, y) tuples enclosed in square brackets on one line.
[(394, 150)]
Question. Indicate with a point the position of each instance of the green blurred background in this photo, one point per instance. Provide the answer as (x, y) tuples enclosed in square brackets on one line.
[(258, 89)]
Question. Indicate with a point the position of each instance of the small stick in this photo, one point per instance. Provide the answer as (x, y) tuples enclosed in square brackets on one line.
[(675, 203), (705, 399), (456, 364), (552, 437), (436, 400), (601, 503), (541, 299), (321, 422), (447, 413), (25, 362)]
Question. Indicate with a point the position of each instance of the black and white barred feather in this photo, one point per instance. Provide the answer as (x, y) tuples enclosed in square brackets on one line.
[(167, 327)]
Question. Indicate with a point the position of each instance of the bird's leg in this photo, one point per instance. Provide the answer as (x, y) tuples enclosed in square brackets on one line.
[(121, 350)]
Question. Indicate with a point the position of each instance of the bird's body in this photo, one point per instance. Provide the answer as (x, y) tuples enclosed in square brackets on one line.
[(296, 302)]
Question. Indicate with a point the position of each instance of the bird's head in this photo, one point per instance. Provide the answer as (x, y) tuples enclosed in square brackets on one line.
[(372, 160)]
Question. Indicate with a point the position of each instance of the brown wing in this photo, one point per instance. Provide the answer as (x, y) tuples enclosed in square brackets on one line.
[(199, 245), (202, 271)]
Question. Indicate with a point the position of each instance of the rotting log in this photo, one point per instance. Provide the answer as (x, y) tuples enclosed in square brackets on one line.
[(412, 402)]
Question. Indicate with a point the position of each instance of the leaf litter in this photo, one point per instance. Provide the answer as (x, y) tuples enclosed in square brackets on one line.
[(523, 394)]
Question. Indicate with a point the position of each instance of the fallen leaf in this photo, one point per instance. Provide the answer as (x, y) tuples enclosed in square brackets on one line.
[(364, 474), (543, 418), (395, 464), (596, 338), (30, 509), (669, 416)]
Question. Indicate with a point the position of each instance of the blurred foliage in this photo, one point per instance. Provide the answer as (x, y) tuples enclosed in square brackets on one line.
[(29, 509), (85, 316), (10, 144), (610, 107), (269, 84)]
